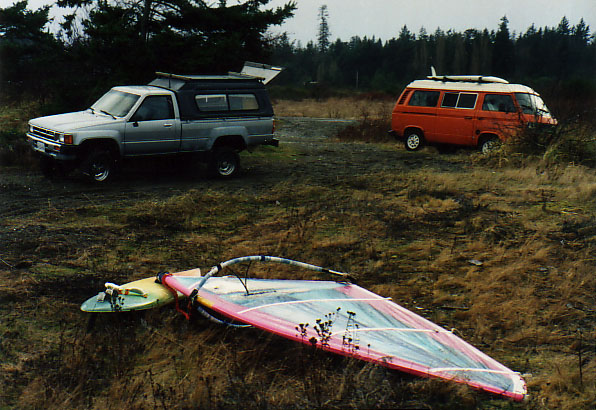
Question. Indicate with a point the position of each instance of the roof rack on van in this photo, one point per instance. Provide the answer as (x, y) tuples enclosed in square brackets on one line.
[(467, 78)]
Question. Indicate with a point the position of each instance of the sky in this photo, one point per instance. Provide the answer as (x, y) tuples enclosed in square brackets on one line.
[(384, 18)]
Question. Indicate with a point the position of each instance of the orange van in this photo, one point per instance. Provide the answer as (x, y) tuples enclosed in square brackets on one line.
[(473, 111)]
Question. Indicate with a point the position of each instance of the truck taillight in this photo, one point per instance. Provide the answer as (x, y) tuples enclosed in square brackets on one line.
[(273, 128)]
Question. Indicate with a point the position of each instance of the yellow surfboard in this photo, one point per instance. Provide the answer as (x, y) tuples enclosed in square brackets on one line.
[(137, 295)]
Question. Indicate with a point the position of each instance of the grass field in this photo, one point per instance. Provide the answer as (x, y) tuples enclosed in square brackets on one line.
[(500, 250)]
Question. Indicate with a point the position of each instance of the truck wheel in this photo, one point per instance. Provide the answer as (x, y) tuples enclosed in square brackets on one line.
[(224, 163), (414, 140), (99, 166)]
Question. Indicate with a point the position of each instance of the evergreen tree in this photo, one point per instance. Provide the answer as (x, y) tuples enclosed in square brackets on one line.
[(503, 56), (324, 33), (31, 58)]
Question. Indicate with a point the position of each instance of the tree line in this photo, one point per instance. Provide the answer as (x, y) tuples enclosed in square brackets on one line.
[(102, 43), (551, 56)]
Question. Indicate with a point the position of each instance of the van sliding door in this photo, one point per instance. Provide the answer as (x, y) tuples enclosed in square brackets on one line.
[(456, 118)]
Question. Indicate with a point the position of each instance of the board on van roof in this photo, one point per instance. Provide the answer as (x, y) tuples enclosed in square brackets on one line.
[(498, 87), (468, 78)]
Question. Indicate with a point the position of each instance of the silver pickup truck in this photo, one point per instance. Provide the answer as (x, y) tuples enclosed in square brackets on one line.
[(215, 117)]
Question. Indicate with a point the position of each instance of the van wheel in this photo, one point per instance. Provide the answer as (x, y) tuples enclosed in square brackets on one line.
[(224, 163), (99, 166), (414, 140), (489, 144)]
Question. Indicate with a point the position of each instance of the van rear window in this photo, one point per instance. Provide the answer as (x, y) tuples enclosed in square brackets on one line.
[(459, 100), (424, 98)]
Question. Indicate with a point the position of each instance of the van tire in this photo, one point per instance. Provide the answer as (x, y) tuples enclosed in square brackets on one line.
[(413, 140), (489, 144)]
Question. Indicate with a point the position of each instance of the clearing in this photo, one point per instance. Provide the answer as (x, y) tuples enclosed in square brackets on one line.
[(502, 254)]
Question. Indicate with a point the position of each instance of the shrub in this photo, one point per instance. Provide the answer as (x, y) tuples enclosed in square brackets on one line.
[(569, 142)]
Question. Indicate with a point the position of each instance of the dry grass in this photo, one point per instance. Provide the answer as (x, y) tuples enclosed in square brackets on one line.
[(505, 256), (373, 106)]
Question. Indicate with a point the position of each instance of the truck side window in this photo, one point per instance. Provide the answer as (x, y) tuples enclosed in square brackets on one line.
[(155, 107), (212, 102), (243, 102), (424, 98), (498, 102)]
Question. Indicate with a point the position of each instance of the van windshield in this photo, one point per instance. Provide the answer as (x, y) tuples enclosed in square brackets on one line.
[(115, 103), (532, 104)]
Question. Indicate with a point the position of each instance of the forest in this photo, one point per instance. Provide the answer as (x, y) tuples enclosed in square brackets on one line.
[(565, 54), (126, 42)]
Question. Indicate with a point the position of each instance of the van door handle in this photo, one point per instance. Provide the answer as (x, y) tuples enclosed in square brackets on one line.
[(468, 118)]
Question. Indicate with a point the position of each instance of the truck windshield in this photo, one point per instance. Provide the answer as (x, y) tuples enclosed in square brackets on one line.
[(532, 104), (115, 103)]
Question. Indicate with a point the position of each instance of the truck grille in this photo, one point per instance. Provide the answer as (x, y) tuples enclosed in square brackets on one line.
[(45, 133)]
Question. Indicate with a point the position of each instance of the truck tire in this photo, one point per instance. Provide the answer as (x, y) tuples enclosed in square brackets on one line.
[(99, 166), (224, 162)]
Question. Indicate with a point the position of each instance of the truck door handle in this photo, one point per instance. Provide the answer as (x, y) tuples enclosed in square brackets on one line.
[(168, 125)]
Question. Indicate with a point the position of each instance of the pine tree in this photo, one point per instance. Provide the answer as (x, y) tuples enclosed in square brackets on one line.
[(324, 33), (503, 56)]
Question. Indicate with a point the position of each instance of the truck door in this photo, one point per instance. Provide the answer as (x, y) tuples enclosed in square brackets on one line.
[(498, 115), (153, 128), (456, 118)]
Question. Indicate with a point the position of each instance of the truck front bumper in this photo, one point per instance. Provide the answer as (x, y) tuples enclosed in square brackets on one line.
[(61, 152)]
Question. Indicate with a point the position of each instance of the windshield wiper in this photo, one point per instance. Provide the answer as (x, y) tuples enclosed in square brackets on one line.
[(111, 115)]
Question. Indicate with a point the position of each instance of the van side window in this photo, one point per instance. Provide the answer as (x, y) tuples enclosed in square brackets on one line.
[(450, 100), (212, 102), (424, 98), (467, 100), (498, 102), (459, 100)]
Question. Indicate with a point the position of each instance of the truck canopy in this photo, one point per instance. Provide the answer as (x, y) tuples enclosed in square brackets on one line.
[(190, 88)]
